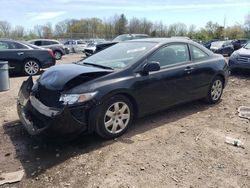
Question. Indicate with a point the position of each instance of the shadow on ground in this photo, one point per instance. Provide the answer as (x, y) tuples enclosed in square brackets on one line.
[(36, 155), (242, 74)]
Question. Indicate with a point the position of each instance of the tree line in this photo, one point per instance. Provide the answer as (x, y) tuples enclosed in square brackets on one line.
[(119, 24)]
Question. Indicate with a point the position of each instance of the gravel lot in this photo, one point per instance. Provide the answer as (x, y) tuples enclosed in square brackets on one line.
[(180, 147)]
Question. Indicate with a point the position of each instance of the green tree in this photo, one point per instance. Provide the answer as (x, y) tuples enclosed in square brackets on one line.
[(121, 25)]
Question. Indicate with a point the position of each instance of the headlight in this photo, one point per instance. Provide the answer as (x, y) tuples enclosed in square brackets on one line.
[(76, 98)]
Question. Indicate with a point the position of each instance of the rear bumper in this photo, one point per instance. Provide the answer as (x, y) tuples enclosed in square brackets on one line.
[(48, 64), (38, 118)]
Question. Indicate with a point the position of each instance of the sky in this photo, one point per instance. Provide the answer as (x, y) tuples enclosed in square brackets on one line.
[(29, 13)]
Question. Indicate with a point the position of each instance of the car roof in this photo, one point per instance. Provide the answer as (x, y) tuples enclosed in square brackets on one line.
[(44, 40), (163, 41)]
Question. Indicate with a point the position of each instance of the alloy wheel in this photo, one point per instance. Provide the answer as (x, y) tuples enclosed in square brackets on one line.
[(117, 117), (58, 55), (216, 90), (31, 67)]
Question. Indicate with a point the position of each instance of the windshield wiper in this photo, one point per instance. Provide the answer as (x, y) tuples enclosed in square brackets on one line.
[(100, 66)]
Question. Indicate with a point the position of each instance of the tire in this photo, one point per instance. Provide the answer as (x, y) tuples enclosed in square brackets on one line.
[(58, 55), (113, 117), (31, 67), (215, 90)]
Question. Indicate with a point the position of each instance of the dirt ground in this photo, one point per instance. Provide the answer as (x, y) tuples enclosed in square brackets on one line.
[(180, 147)]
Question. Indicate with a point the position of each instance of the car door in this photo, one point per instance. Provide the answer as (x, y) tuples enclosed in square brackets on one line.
[(202, 72), (171, 84)]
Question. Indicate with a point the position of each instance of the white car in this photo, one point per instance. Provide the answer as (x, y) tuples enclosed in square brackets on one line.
[(75, 45)]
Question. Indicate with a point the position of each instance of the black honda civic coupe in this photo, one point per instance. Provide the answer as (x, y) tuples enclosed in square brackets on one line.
[(105, 92)]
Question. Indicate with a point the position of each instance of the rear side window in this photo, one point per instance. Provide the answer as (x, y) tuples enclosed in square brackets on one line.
[(198, 53), (38, 43), (172, 54), (45, 43), (54, 42)]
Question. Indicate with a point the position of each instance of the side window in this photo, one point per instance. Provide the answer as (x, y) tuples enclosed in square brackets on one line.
[(80, 42), (173, 54), (16, 45), (38, 43), (4, 45), (45, 43), (54, 42), (198, 53)]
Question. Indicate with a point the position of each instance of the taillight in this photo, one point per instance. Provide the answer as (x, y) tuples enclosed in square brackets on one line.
[(51, 53)]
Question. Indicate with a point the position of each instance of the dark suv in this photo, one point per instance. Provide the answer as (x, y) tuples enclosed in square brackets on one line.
[(239, 43), (119, 38), (54, 45)]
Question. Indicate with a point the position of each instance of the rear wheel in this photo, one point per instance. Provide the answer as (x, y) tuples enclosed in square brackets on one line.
[(58, 55), (215, 90), (114, 117), (31, 67)]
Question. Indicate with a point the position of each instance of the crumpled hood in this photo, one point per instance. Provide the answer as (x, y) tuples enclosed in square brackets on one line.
[(56, 77), (244, 52)]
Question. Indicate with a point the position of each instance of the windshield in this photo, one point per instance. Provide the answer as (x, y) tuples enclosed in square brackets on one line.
[(217, 44), (247, 46), (120, 55)]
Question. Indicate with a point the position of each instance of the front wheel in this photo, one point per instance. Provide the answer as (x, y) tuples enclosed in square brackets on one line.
[(215, 90), (114, 117)]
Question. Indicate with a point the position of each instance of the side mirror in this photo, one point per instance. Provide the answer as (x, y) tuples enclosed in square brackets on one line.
[(151, 67)]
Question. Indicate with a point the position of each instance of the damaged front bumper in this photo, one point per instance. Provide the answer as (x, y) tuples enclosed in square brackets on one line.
[(38, 118)]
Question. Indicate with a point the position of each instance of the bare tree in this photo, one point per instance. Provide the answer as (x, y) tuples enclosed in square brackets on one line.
[(47, 30), (38, 30), (247, 22), (18, 32), (5, 28), (61, 28)]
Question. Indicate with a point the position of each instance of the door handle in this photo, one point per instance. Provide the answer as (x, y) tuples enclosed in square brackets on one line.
[(188, 70), (20, 53)]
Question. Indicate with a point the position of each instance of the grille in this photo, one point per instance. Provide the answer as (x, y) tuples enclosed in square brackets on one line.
[(244, 59), (48, 97)]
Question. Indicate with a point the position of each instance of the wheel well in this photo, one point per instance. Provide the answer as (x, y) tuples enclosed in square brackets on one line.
[(57, 51), (131, 99)]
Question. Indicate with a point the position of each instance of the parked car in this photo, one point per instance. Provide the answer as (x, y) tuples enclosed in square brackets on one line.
[(222, 47), (118, 39), (25, 58), (106, 91), (91, 47), (239, 43), (207, 44), (58, 49), (75, 46), (240, 59)]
